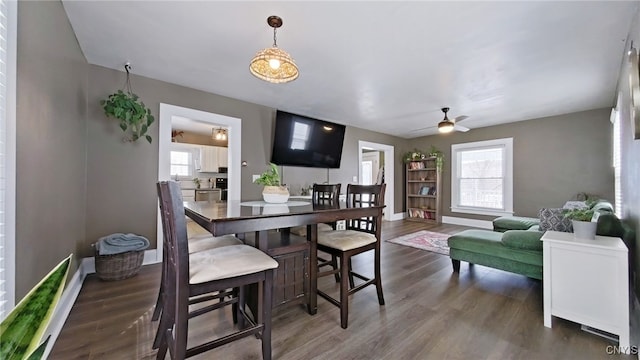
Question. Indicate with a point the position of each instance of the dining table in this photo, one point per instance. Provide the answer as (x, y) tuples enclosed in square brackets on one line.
[(241, 217)]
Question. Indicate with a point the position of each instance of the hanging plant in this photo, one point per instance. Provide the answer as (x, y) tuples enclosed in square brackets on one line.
[(135, 118)]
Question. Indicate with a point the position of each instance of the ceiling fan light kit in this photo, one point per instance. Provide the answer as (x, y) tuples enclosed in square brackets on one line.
[(273, 64)]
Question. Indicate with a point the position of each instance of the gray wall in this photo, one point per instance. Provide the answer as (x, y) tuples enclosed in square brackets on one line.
[(121, 195), (554, 159), (630, 149), (51, 142)]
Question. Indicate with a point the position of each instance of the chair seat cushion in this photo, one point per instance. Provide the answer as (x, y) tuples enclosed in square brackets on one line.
[(302, 230), (227, 262), (205, 242), (345, 239), (522, 239)]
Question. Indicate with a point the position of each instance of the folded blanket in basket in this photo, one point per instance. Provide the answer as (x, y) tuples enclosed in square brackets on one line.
[(119, 243)]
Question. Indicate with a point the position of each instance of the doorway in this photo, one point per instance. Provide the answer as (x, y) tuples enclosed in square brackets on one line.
[(375, 165), (234, 134)]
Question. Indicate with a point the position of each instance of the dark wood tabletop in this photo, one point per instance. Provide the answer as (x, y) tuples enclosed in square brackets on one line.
[(237, 217)]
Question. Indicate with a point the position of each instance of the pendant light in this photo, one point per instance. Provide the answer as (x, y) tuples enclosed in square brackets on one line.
[(274, 64), (446, 125)]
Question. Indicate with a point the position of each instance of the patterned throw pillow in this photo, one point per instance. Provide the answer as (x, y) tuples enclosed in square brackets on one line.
[(553, 219)]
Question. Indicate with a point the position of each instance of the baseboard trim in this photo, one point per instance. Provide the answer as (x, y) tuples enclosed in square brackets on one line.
[(89, 264), (483, 224), (398, 216), (70, 294), (67, 299)]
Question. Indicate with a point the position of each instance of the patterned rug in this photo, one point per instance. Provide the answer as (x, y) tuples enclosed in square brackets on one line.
[(425, 240)]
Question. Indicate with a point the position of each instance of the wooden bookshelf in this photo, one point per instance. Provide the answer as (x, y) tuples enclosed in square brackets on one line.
[(423, 190)]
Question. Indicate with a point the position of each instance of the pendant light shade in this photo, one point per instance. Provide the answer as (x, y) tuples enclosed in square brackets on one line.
[(274, 64)]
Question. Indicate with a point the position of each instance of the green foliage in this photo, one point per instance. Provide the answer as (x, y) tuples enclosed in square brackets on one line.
[(270, 177), (414, 155), (21, 331), (584, 214), (196, 181), (135, 118)]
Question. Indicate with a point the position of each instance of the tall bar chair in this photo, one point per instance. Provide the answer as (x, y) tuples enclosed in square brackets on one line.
[(206, 272), (361, 235)]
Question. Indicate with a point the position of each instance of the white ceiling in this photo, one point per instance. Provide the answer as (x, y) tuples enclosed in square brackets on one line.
[(383, 66)]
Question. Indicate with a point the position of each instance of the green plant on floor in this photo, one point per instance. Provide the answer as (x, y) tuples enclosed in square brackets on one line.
[(270, 177), (135, 118), (21, 332)]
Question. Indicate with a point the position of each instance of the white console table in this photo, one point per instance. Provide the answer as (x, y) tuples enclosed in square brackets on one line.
[(587, 281)]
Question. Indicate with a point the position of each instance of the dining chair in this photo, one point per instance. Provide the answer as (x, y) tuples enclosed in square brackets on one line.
[(361, 235), (195, 243), (323, 194), (206, 272)]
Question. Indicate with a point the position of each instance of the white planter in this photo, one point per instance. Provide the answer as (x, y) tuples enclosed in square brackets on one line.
[(275, 194), (584, 229)]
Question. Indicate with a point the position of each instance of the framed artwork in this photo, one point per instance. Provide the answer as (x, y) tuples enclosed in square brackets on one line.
[(634, 87)]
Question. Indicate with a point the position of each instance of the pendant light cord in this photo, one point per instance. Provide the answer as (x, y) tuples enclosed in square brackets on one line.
[(127, 84)]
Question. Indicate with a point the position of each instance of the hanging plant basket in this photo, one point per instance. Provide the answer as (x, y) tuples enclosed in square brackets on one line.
[(125, 106)]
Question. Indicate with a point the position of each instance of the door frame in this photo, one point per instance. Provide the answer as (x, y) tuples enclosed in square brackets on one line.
[(234, 133), (389, 172)]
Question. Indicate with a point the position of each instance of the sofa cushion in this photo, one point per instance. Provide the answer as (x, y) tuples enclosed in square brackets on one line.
[(522, 239), (489, 244), (602, 207), (505, 223), (553, 219)]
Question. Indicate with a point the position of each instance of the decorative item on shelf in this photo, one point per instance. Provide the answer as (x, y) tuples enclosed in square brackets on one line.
[(273, 192), (196, 182), (273, 64), (135, 118), (175, 134), (581, 220), (414, 155), (434, 152)]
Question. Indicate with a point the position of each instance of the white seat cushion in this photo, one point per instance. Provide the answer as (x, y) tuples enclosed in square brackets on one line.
[(227, 262), (345, 239), (206, 241), (302, 230)]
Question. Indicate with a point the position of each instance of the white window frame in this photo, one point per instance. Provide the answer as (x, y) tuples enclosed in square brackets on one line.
[(7, 252), (189, 164), (507, 199), (617, 157)]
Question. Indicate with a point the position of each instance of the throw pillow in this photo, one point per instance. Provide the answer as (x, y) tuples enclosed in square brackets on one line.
[(553, 219)]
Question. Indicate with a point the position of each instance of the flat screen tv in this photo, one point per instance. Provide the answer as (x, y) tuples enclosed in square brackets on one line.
[(303, 141)]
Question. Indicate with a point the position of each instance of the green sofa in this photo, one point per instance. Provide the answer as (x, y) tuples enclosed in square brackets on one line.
[(515, 244)]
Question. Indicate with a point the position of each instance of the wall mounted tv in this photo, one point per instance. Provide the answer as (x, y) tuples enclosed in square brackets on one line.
[(303, 141)]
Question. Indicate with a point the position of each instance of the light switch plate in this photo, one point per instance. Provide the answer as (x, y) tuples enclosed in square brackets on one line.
[(355, 179), (341, 225), (255, 177)]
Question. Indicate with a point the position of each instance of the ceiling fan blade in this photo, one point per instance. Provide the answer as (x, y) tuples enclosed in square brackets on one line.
[(425, 128), (460, 128), (460, 118)]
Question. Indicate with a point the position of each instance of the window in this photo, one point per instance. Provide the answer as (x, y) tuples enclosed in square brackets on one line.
[(181, 163), (482, 177), (8, 19)]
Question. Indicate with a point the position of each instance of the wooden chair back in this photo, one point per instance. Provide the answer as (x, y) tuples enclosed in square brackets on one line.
[(364, 196), (175, 245), (325, 194)]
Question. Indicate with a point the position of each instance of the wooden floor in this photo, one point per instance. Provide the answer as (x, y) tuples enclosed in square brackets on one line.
[(430, 313)]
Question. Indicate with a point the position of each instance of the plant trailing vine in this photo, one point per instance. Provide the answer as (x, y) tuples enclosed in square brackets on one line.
[(135, 118)]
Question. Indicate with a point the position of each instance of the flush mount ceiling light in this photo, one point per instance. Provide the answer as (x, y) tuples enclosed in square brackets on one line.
[(220, 134), (273, 64)]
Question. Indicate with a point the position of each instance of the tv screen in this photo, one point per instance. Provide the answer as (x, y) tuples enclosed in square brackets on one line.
[(303, 141)]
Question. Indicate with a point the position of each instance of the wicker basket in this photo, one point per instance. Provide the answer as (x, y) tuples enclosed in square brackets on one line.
[(118, 266)]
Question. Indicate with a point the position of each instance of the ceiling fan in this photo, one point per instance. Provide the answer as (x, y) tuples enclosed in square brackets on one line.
[(448, 125)]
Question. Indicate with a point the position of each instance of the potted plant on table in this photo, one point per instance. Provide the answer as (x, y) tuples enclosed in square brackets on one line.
[(581, 219), (273, 192)]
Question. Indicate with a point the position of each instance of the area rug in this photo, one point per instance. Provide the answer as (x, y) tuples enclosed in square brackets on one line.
[(425, 240)]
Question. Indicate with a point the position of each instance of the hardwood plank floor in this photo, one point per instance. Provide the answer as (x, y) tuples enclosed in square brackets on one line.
[(430, 313)]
